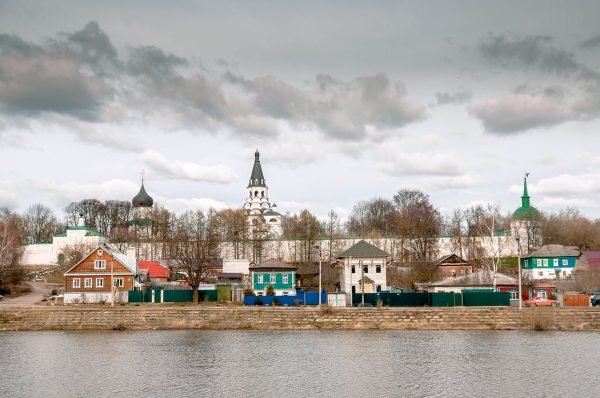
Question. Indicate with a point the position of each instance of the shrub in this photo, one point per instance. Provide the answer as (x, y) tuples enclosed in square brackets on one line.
[(270, 290), (249, 292)]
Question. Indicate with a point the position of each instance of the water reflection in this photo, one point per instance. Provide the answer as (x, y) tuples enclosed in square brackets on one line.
[(298, 364)]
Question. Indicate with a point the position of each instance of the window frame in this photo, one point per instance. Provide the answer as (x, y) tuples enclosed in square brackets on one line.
[(121, 280), (565, 262), (260, 278), (366, 268), (85, 283), (78, 284), (272, 278), (285, 279), (378, 268), (97, 264), (101, 284), (555, 262)]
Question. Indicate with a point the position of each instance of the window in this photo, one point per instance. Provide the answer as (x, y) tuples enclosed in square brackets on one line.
[(100, 264), (284, 279), (273, 278), (260, 279), (545, 262), (538, 262), (99, 282), (366, 269), (564, 273), (353, 269), (565, 262), (118, 282), (541, 273), (260, 293), (100, 252), (541, 294), (87, 282), (76, 283), (526, 262), (285, 293), (555, 262), (378, 288), (378, 269), (514, 295), (462, 271)]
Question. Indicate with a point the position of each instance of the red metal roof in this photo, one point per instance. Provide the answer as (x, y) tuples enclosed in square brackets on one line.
[(593, 258), (155, 270)]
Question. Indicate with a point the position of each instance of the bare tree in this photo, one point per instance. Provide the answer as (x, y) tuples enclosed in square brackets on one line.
[(333, 228), (487, 226), (196, 241), (418, 222), (373, 217), (570, 227), (11, 249), (40, 223)]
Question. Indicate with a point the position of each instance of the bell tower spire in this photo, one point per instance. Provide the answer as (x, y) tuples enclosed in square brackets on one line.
[(525, 198)]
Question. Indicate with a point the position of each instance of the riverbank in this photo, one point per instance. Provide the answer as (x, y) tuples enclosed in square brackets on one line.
[(245, 318)]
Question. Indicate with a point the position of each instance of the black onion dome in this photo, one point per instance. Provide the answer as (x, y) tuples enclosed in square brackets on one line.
[(142, 199)]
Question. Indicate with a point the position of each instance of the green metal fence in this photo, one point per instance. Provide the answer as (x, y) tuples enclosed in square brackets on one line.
[(170, 296), (485, 299), (468, 298)]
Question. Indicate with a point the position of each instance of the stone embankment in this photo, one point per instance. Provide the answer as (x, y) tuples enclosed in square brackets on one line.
[(220, 318)]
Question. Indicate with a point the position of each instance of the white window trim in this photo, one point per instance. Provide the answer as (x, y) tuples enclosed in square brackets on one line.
[(78, 284), (272, 278), (285, 279), (119, 282), (261, 279), (101, 280), (565, 262), (87, 282), (99, 264)]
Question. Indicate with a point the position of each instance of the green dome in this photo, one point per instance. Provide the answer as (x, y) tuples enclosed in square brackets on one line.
[(526, 210)]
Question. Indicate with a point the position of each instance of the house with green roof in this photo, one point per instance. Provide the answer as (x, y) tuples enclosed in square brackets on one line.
[(52, 253), (363, 269)]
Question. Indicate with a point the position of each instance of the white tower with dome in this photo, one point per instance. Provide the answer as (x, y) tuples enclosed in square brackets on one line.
[(257, 203)]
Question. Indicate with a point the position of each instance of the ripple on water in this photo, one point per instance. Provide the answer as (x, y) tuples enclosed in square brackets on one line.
[(299, 364)]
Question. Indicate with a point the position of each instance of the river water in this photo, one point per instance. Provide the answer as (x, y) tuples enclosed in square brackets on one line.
[(299, 364)]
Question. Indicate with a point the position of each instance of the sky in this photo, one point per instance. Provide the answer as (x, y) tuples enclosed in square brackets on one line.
[(345, 100)]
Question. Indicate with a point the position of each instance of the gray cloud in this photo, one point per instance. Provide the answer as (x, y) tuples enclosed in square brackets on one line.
[(79, 73), (532, 53), (36, 79), (521, 111), (341, 110), (591, 43), (454, 97)]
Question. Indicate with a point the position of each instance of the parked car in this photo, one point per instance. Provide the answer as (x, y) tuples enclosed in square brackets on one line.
[(541, 302), (596, 298)]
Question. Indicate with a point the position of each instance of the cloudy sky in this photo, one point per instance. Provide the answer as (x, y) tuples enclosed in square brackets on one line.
[(345, 101)]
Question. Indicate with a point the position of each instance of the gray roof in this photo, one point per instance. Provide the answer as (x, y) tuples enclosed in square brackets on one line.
[(555, 251), (270, 212), (481, 278), (363, 249), (257, 179), (272, 264)]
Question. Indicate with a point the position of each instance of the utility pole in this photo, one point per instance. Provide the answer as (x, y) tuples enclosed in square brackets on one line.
[(362, 287), (318, 247), (520, 276)]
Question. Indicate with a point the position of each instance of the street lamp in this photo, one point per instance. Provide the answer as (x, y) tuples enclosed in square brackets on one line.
[(318, 247), (519, 268)]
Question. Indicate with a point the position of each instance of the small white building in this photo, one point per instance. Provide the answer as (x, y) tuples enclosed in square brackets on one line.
[(363, 265), (53, 253)]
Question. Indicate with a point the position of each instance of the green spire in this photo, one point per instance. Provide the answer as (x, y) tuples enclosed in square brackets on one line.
[(525, 197)]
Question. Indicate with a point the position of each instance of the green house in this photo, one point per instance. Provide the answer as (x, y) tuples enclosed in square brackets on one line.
[(280, 275), (550, 262)]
